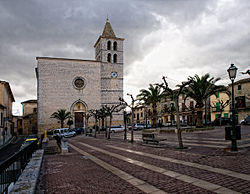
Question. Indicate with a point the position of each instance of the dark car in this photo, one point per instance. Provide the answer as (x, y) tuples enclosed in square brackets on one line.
[(78, 130), (246, 121), (224, 121)]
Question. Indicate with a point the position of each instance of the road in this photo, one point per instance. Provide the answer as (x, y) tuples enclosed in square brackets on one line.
[(10, 149)]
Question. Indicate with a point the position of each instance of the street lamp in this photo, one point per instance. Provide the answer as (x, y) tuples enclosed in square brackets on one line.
[(132, 109), (146, 115), (232, 75)]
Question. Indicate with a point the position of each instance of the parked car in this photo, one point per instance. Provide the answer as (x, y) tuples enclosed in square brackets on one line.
[(246, 121), (29, 139), (139, 126), (64, 132), (79, 130), (224, 121), (115, 129)]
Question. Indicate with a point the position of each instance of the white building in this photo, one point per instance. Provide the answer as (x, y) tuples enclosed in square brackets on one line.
[(80, 85)]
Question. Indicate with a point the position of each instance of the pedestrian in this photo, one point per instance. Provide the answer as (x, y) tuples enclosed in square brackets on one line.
[(3, 134), (58, 142)]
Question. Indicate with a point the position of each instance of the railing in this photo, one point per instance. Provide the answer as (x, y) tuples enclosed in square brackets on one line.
[(11, 168)]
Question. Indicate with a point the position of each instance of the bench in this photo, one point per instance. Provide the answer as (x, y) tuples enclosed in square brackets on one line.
[(89, 132), (153, 135)]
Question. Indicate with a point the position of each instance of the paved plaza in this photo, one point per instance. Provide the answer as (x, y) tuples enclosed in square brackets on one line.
[(96, 165)]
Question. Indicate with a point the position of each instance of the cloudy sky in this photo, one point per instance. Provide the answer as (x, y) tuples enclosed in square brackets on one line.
[(175, 38)]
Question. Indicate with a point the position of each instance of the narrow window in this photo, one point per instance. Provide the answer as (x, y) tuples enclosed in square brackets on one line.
[(1, 119), (115, 46), (109, 45), (109, 58), (217, 95), (217, 106), (239, 87), (115, 58), (191, 104)]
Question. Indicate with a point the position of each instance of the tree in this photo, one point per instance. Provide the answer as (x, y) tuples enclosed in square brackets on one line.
[(174, 95), (95, 113), (61, 115), (110, 110), (102, 115), (152, 96), (69, 122), (132, 106), (199, 89)]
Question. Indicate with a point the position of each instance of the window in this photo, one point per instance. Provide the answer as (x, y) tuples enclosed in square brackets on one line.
[(141, 114), (217, 95), (109, 58), (183, 106), (109, 45), (34, 109), (115, 58), (239, 87), (226, 115), (115, 46), (191, 104), (1, 119), (217, 116), (217, 106), (138, 116)]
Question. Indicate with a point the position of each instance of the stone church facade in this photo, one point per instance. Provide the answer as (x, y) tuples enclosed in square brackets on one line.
[(81, 85)]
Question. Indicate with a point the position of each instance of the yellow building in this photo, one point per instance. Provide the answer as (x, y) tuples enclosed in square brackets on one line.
[(6, 100), (220, 106), (242, 98)]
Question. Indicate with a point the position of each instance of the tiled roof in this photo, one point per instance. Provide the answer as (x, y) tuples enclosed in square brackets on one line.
[(29, 101)]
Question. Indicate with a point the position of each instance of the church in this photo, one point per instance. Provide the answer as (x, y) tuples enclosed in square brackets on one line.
[(79, 85)]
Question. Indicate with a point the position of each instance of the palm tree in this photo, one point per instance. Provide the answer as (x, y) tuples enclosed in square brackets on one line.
[(199, 89), (61, 115), (152, 96)]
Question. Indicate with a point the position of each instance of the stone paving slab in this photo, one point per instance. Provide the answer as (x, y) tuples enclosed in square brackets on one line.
[(227, 181), (165, 183), (199, 177), (72, 173), (220, 158)]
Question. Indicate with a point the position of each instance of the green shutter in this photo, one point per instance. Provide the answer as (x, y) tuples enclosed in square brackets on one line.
[(217, 116), (226, 115), (217, 95), (217, 106)]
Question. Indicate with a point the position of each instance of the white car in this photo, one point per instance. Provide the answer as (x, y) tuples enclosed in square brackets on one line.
[(115, 129), (64, 132)]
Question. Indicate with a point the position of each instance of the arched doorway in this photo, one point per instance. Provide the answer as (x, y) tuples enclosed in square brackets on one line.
[(79, 114)]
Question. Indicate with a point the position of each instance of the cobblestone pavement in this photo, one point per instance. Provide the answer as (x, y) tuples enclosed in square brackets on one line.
[(92, 163)]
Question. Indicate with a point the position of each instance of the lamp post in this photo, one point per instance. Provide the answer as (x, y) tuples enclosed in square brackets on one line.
[(146, 115), (232, 75), (132, 109), (125, 124)]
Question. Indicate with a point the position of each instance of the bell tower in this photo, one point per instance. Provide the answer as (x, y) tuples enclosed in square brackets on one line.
[(109, 51)]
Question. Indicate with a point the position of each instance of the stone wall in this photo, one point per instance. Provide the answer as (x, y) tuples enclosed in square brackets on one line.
[(56, 90)]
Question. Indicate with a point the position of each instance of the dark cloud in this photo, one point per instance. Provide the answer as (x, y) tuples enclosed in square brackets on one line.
[(60, 28)]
